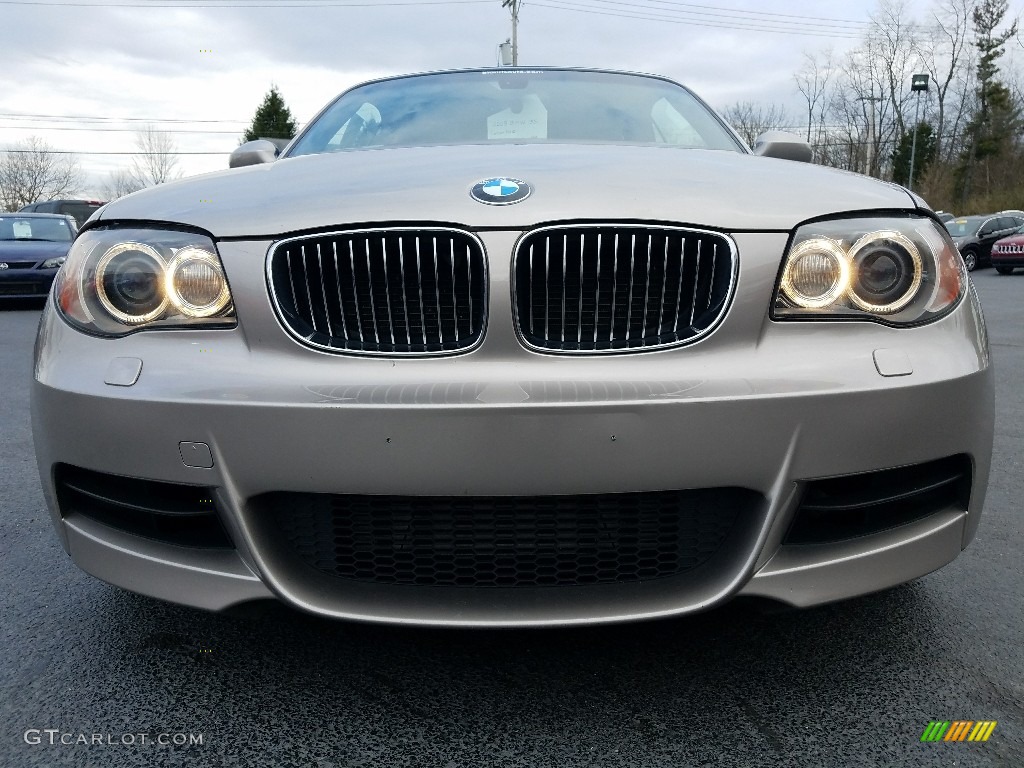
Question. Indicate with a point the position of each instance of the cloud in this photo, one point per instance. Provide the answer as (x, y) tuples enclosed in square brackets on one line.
[(178, 64)]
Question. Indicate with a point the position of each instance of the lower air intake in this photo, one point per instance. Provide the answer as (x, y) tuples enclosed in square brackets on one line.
[(507, 541)]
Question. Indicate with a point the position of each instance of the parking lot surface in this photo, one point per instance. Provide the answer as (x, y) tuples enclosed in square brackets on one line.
[(144, 683)]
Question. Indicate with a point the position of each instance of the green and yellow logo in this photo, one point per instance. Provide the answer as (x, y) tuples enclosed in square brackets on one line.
[(958, 730)]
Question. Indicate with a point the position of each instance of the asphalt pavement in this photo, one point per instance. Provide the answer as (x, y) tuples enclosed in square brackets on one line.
[(143, 683)]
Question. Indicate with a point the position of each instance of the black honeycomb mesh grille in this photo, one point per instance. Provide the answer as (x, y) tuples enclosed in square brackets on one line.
[(507, 541)]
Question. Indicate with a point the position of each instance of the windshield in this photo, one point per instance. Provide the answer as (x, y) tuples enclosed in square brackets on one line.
[(30, 228), (963, 227), (515, 106)]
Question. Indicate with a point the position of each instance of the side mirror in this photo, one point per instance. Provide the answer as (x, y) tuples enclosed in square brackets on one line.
[(783, 145), (254, 153)]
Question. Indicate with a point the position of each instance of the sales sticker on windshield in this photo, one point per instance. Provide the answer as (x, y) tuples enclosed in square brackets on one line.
[(530, 121)]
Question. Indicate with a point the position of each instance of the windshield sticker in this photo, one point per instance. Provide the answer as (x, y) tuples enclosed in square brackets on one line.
[(22, 229), (530, 121)]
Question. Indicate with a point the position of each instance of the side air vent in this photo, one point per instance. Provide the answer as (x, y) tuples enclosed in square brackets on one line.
[(855, 505), (169, 512)]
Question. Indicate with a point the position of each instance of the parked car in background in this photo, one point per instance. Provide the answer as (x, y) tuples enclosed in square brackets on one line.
[(81, 210), (1008, 253), (974, 236), (944, 216), (32, 248)]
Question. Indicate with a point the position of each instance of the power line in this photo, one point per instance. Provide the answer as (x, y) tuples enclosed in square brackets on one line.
[(77, 152), (104, 129), (727, 13), (34, 116), (753, 26), (237, 4)]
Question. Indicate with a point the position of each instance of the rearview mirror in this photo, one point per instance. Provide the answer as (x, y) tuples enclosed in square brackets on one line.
[(783, 145), (254, 153)]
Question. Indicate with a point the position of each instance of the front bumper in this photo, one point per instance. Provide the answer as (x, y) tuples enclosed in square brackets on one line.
[(1007, 259), (26, 283), (758, 405)]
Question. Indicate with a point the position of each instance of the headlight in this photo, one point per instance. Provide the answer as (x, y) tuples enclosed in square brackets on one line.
[(119, 280), (894, 270), (53, 263)]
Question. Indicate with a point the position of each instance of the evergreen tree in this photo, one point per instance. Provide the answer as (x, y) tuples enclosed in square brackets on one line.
[(993, 129), (923, 156), (273, 119)]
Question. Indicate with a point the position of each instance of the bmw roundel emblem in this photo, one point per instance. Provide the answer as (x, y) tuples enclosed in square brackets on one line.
[(500, 191)]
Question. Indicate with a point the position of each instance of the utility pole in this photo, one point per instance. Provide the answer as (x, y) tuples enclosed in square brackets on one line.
[(513, 6), (918, 83), (871, 101)]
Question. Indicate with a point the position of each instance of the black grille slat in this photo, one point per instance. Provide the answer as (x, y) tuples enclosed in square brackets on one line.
[(507, 541), (595, 288), (396, 291)]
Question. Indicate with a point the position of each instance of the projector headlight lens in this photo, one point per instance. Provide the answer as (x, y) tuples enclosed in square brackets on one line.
[(900, 270), (127, 283), (888, 270), (118, 280)]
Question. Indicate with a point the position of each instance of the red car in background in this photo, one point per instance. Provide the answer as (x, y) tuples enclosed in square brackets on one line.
[(1008, 253)]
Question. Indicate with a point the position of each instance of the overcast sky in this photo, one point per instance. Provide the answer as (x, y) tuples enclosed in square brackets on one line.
[(97, 69)]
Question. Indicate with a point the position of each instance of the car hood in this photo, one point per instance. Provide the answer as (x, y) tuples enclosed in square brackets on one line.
[(1011, 240), (725, 190), (28, 250)]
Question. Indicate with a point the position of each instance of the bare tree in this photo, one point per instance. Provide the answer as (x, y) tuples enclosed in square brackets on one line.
[(859, 103), (120, 183), (944, 52), (813, 80), (894, 35), (859, 108), (32, 171), (156, 161), (750, 120)]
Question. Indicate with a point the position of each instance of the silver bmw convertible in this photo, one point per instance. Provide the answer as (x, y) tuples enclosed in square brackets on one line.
[(511, 347)]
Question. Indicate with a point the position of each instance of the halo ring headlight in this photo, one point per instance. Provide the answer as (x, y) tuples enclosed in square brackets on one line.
[(817, 273), (129, 282), (887, 271), (195, 283)]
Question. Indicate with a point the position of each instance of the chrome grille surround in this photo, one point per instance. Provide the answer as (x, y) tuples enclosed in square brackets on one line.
[(393, 291), (608, 287)]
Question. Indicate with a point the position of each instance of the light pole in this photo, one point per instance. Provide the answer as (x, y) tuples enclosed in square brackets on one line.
[(918, 83), (513, 6)]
